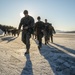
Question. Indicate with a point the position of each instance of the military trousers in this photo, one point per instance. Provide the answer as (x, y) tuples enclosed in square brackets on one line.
[(26, 38), (46, 34), (39, 38), (51, 38)]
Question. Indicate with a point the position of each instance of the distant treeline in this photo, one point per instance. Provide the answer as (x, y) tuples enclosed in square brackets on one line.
[(59, 31), (8, 30), (70, 32)]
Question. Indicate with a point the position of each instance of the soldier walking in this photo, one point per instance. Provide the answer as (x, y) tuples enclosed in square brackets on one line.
[(46, 32), (27, 23), (49, 30), (39, 28)]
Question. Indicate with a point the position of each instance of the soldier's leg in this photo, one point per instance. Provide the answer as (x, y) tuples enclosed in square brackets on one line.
[(52, 38), (28, 35), (24, 37), (40, 40), (45, 40), (48, 38), (45, 37), (35, 35)]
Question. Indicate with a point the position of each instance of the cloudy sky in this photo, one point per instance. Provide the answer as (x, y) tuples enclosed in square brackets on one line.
[(61, 13)]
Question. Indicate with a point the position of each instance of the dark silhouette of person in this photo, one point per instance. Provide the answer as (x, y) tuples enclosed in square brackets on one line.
[(49, 30), (14, 32), (46, 31), (39, 28), (27, 23)]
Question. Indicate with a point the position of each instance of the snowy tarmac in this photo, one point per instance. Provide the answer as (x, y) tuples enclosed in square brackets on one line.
[(56, 58)]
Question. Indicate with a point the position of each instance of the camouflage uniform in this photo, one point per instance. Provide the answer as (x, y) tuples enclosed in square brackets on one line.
[(51, 31), (26, 33), (39, 26), (46, 33)]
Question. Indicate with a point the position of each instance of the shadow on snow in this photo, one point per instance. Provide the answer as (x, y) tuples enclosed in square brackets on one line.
[(60, 62), (27, 70)]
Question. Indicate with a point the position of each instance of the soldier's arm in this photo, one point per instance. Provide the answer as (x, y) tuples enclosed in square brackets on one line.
[(19, 27), (20, 24), (53, 30)]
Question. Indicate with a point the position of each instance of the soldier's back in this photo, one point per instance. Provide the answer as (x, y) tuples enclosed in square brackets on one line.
[(39, 25)]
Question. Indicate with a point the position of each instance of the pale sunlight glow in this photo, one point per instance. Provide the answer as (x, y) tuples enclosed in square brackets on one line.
[(21, 14)]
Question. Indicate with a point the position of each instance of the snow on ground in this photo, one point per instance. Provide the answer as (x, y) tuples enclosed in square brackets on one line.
[(56, 58)]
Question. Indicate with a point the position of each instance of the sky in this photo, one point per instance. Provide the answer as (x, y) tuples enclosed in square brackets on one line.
[(61, 13)]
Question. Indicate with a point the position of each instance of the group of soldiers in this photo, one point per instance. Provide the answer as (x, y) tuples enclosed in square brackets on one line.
[(39, 29), (43, 29), (9, 30)]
